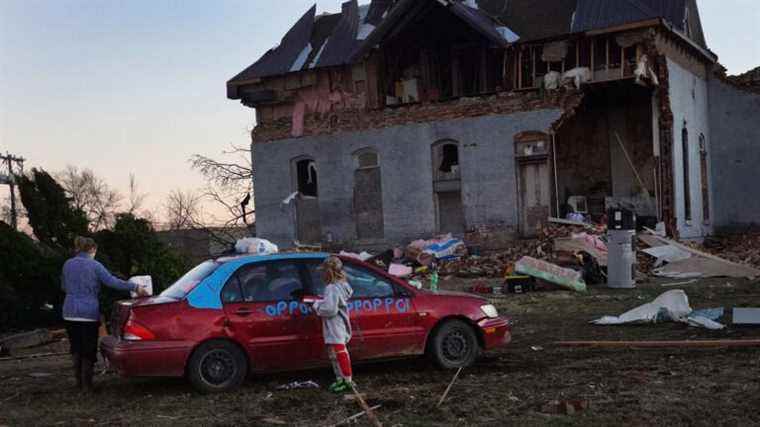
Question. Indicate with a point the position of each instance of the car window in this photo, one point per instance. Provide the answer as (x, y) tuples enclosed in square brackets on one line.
[(364, 283), (187, 283), (270, 282), (232, 293)]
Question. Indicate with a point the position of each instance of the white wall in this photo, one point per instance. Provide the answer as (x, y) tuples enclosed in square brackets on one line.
[(689, 103)]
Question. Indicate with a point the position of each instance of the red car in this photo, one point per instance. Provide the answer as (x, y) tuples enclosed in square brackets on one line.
[(233, 316)]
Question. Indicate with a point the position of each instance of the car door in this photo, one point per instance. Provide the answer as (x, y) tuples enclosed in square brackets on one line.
[(264, 313), (383, 317)]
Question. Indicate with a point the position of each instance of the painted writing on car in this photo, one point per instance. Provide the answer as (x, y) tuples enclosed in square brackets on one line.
[(387, 305)]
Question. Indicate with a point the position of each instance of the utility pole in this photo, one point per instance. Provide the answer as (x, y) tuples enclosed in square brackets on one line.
[(8, 160)]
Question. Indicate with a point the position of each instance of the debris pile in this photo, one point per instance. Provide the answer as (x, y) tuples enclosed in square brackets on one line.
[(500, 264), (741, 248)]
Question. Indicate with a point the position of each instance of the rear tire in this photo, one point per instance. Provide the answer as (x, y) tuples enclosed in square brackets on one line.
[(217, 366), (454, 345)]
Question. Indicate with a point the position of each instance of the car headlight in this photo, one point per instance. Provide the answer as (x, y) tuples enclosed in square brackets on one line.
[(489, 310)]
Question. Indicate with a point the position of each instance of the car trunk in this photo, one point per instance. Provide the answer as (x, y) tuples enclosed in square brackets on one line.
[(122, 310)]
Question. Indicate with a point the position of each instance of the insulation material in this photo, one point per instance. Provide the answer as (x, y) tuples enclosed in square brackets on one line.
[(552, 80), (577, 76), (564, 277)]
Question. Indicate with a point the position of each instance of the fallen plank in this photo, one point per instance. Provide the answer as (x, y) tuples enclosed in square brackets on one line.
[(747, 316), (741, 270), (370, 413), (33, 356), (31, 339), (670, 285), (662, 344), (568, 222)]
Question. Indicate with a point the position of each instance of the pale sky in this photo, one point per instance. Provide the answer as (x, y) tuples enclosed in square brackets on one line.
[(138, 86)]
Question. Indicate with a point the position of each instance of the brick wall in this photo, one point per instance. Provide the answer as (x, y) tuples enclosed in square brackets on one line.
[(360, 120)]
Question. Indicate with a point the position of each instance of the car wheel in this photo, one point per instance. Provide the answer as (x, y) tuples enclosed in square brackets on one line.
[(454, 345), (217, 366)]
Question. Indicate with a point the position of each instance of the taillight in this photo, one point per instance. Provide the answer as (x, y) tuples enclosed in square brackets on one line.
[(134, 331)]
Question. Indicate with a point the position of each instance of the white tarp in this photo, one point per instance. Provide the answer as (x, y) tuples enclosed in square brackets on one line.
[(674, 304), (670, 306)]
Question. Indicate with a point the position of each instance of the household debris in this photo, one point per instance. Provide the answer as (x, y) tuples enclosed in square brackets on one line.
[(671, 306), (746, 316), (298, 385), (662, 344), (551, 273), (255, 246), (698, 264), (24, 340), (364, 256)]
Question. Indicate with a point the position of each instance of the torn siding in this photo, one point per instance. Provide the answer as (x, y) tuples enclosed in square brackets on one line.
[(735, 155)]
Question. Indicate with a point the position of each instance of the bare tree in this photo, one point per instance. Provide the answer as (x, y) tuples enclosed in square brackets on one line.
[(136, 199), (92, 195), (229, 184), (182, 210)]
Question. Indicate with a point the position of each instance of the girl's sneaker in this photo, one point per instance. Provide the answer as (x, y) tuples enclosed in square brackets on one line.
[(340, 386)]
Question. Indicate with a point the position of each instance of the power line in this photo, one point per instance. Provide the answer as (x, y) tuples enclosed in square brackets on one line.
[(7, 162)]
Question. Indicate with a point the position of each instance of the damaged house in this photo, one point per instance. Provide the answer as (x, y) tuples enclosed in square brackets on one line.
[(399, 119)]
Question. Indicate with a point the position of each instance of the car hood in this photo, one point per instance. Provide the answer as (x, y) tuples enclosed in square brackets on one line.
[(455, 294)]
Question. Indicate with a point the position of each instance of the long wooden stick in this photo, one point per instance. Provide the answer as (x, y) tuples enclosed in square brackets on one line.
[(370, 413), (448, 389), (630, 163), (662, 344), (355, 416)]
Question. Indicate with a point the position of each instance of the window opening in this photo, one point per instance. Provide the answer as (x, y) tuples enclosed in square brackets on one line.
[(686, 184), (306, 171), (449, 158)]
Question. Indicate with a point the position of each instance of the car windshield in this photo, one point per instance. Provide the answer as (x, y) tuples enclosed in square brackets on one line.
[(187, 283)]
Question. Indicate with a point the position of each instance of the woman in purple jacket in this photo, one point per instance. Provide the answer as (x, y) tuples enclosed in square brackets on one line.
[(81, 280)]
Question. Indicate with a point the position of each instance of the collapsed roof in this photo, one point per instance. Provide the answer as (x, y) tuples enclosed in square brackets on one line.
[(328, 40)]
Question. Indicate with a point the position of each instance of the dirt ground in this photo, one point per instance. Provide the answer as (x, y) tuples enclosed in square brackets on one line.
[(515, 385)]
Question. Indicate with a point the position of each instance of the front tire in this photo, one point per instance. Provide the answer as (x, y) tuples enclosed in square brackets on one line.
[(217, 366), (454, 345)]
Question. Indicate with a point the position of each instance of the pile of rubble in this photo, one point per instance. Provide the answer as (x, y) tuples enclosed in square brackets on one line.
[(742, 248), (500, 263)]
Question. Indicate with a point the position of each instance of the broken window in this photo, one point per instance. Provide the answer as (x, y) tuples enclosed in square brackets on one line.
[(686, 186), (705, 177), (367, 159), (306, 171), (449, 158)]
